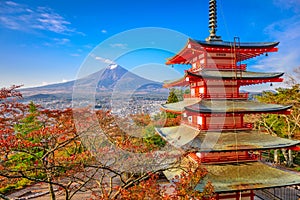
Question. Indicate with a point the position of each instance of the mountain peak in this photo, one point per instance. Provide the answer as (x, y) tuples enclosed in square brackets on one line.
[(113, 66)]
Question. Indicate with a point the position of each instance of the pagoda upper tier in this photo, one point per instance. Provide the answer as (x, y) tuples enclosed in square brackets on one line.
[(224, 78), (220, 54)]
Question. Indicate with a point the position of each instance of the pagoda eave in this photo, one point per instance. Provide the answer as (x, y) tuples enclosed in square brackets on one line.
[(246, 176), (176, 83), (259, 81), (235, 106), (171, 111), (178, 60), (244, 50), (241, 82), (243, 75), (187, 137), (242, 45), (275, 111), (239, 176), (179, 107)]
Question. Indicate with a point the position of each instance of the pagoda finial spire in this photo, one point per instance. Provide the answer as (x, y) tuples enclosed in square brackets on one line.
[(212, 24)]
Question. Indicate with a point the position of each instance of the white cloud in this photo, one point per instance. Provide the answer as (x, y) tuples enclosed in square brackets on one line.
[(288, 5), (104, 31), (119, 45), (57, 42), (11, 3), (21, 17), (9, 23), (287, 32), (104, 60), (61, 41)]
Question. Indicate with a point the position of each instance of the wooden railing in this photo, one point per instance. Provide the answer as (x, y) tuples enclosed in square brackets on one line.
[(245, 126), (241, 67), (216, 158), (217, 96), (212, 127)]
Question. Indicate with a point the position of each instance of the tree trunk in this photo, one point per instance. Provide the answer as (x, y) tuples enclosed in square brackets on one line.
[(276, 161), (285, 155), (291, 160), (2, 196), (51, 190), (67, 194)]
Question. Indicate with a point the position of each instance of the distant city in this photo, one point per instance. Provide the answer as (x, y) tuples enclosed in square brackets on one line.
[(146, 103)]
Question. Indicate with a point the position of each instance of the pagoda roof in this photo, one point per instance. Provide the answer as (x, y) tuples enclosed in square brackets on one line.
[(246, 50), (235, 106), (178, 136), (245, 76), (190, 138), (181, 82), (231, 74), (246, 176), (241, 45), (223, 106), (178, 107)]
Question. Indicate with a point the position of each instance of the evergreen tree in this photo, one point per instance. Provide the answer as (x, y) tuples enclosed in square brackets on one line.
[(172, 97)]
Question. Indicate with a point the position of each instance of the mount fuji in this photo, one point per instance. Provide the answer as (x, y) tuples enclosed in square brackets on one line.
[(107, 80)]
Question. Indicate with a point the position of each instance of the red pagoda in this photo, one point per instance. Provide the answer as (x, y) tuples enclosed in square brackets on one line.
[(213, 127)]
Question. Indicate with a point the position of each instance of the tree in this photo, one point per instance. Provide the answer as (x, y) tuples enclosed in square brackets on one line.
[(283, 125), (172, 98), (47, 146), (38, 145), (150, 187)]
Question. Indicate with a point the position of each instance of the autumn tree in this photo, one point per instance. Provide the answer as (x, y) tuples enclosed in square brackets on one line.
[(283, 125), (38, 145), (79, 150)]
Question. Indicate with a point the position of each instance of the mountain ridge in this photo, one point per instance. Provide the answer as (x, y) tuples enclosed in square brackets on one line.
[(113, 78)]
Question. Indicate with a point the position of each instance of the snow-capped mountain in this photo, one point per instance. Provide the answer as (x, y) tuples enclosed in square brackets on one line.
[(112, 78)]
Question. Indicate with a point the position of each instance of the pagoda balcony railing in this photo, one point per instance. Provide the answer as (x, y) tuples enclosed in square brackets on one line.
[(217, 96), (213, 127), (216, 159), (245, 126), (251, 156), (241, 67)]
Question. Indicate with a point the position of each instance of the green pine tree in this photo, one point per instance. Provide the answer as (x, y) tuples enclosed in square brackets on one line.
[(172, 97)]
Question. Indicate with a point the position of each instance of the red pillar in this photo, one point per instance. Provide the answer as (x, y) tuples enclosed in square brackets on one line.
[(252, 195)]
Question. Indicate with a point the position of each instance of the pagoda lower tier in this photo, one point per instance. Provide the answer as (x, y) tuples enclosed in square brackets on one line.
[(245, 176), (240, 179), (232, 159), (220, 114)]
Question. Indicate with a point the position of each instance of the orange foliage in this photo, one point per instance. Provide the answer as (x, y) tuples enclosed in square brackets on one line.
[(53, 151)]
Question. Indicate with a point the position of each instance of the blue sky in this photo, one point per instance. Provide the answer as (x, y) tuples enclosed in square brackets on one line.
[(49, 41)]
